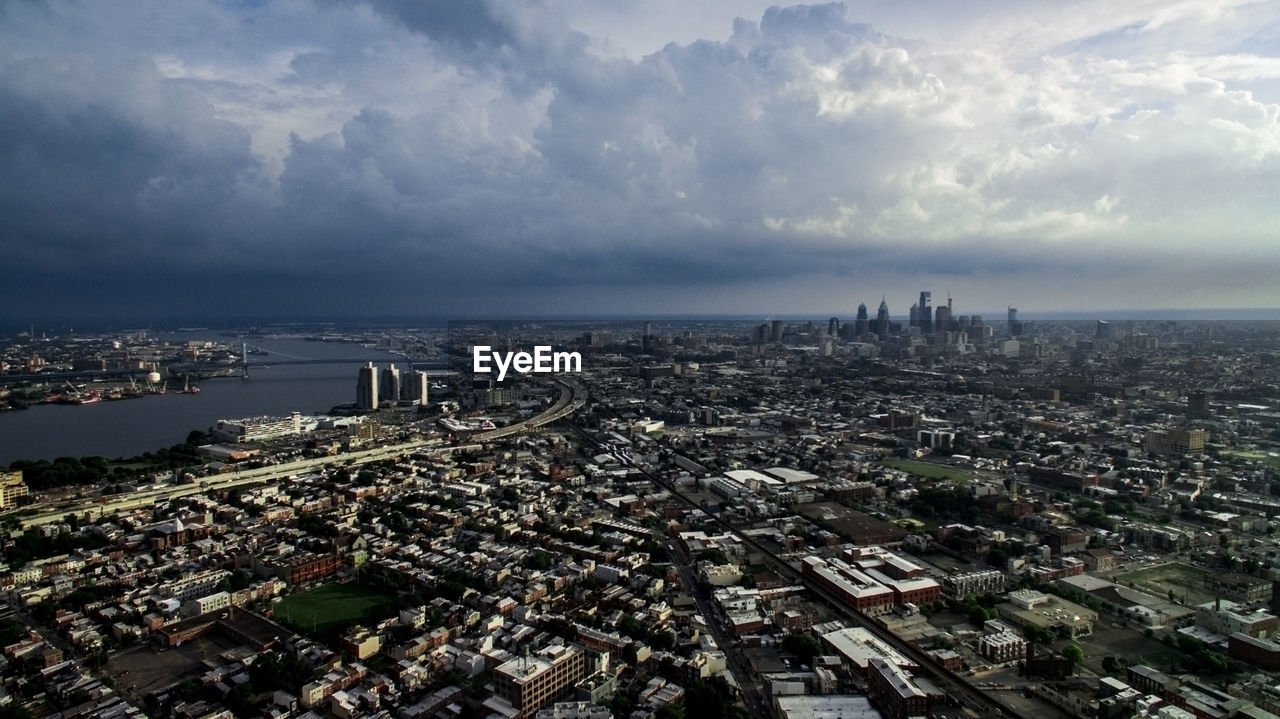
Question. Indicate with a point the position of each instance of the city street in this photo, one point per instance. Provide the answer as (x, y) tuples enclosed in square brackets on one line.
[(753, 695)]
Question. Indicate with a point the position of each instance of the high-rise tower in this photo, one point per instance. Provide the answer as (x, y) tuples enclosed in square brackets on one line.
[(1015, 327), (367, 387), (415, 387), (942, 318), (389, 387), (882, 320), (860, 323), (926, 315)]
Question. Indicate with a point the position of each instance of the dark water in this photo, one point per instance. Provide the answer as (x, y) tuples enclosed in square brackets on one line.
[(126, 428)]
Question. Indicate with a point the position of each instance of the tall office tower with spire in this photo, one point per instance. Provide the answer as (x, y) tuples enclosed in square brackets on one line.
[(882, 320), (925, 314), (833, 327), (367, 387), (860, 322), (389, 387)]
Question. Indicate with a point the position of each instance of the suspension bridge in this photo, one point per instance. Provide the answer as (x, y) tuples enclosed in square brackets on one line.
[(251, 357)]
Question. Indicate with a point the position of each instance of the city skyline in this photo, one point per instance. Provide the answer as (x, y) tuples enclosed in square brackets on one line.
[(319, 159)]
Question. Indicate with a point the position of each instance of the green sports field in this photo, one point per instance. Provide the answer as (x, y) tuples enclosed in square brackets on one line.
[(327, 609), (1271, 460)]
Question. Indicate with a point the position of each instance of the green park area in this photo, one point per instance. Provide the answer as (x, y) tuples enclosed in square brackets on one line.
[(1184, 582), (929, 470), (327, 610), (1270, 459)]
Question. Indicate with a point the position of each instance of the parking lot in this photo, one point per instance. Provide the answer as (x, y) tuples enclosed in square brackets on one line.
[(1010, 690), (143, 669), (1126, 644)]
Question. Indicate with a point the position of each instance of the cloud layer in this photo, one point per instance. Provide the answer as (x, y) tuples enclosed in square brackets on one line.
[(432, 158)]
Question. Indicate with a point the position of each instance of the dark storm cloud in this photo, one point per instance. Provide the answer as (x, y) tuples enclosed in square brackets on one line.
[(468, 26), (91, 177), (313, 157)]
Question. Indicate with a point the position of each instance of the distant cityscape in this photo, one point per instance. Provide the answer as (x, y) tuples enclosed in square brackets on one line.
[(944, 516), (639, 360)]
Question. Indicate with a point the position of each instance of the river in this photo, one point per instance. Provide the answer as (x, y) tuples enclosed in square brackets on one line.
[(127, 428)]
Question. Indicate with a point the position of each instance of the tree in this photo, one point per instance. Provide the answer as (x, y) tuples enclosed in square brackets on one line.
[(668, 711), (803, 646), (1074, 653), (662, 640), (1038, 635), (631, 627), (710, 698)]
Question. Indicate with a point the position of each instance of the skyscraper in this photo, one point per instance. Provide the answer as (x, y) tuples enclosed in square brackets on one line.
[(882, 320), (415, 387), (942, 318), (833, 326), (389, 388), (860, 323), (926, 315), (367, 387), (1015, 327)]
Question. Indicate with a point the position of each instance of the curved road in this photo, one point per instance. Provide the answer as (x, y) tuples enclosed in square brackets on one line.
[(572, 398)]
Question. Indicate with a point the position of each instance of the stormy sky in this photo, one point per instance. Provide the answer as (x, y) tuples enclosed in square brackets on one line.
[(313, 157)]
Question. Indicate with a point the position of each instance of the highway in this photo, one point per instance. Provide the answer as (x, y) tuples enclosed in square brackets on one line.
[(269, 473), (572, 398)]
